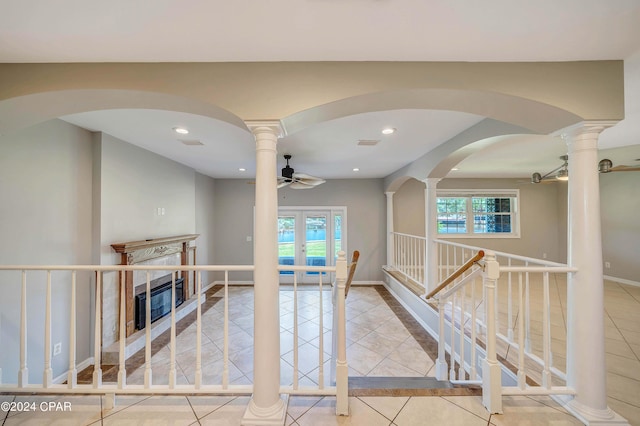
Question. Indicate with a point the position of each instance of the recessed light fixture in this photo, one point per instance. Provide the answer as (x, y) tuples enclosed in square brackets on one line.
[(455, 169), (388, 130), (242, 169), (355, 169), (181, 130)]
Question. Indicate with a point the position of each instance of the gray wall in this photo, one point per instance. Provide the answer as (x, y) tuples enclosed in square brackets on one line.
[(134, 183), (620, 199), (366, 219), (408, 208), (46, 211), (542, 215), (205, 222)]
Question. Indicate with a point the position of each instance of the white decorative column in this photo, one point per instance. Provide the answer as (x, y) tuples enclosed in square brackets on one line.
[(431, 233), (390, 245), (266, 407), (586, 367)]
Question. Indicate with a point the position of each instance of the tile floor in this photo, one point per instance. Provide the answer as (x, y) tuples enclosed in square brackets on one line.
[(380, 343)]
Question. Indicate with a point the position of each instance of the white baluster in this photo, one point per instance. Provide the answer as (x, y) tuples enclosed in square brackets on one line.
[(198, 373), (522, 376), (527, 312), (23, 374), (546, 332), (172, 344), (441, 362), (122, 369), (321, 339), (225, 349), (148, 372), (473, 372), (509, 307), (97, 339), (72, 375), (295, 331), (47, 379), (461, 371), (452, 352)]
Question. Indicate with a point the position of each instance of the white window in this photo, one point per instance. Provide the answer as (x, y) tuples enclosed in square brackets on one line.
[(478, 213)]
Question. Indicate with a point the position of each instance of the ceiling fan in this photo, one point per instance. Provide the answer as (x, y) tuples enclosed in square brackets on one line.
[(297, 180), (562, 173)]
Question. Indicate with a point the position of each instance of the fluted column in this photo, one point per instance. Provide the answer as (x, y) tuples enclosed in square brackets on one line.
[(266, 407), (586, 367), (431, 233), (390, 246)]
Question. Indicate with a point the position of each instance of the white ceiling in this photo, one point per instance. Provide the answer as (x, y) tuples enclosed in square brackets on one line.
[(314, 30)]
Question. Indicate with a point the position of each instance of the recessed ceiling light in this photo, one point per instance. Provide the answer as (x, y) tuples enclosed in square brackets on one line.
[(242, 169), (455, 169), (181, 130), (355, 169), (388, 130)]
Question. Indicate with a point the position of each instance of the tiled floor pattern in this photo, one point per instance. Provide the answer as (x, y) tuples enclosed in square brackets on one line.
[(302, 411), (379, 344)]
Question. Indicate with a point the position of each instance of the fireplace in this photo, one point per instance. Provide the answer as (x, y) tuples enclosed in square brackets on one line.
[(160, 300)]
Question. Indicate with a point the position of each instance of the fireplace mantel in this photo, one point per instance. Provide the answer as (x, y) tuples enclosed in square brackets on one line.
[(133, 252)]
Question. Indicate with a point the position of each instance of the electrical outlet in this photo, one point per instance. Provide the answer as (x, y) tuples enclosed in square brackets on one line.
[(57, 348), (607, 265)]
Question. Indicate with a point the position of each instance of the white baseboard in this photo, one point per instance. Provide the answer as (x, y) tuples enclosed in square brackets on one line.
[(367, 282), (79, 367), (622, 281)]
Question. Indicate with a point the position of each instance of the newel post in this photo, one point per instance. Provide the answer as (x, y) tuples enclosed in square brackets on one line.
[(342, 369), (491, 370)]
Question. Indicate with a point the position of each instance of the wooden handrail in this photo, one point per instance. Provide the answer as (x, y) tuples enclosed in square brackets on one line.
[(456, 274), (352, 270)]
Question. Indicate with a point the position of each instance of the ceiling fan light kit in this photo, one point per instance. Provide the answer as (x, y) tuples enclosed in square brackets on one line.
[(562, 173), (294, 180)]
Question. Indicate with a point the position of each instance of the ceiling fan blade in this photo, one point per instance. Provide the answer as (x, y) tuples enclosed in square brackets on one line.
[(284, 182), (304, 176), (302, 185), (625, 169)]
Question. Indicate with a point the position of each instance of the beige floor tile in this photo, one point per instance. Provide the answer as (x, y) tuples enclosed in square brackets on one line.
[(362, 359), (159, 410), (623, 389), (298, 405), (521, 410), (387, 406), (437, 411), (204, 405), (55, 410), (229, 414), (628, 411), (324, 414)]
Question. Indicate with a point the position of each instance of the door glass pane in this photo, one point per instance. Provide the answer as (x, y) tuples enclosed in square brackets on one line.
[(337, 234), (286, 242), (316, 244)]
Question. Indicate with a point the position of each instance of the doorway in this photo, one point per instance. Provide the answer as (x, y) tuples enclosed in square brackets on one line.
[(310, 236)]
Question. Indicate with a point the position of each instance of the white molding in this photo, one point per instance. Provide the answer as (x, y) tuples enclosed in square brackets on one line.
[(379, 282), (622, 281), (58, 380), (234, 282)]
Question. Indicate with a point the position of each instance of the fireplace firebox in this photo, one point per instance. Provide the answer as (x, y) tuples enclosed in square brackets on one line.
[(160, 301)]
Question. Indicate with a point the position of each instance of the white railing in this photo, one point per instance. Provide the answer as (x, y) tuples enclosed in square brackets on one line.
[(65, 282), (502, 309), (409, 257)]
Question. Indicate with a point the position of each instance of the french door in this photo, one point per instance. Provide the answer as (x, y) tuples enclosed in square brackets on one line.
[(309, 237)]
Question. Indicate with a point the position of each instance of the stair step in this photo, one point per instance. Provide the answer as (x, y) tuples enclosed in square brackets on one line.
[(407, 386)]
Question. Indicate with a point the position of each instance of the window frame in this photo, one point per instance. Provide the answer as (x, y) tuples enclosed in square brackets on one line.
[(469, 194)]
